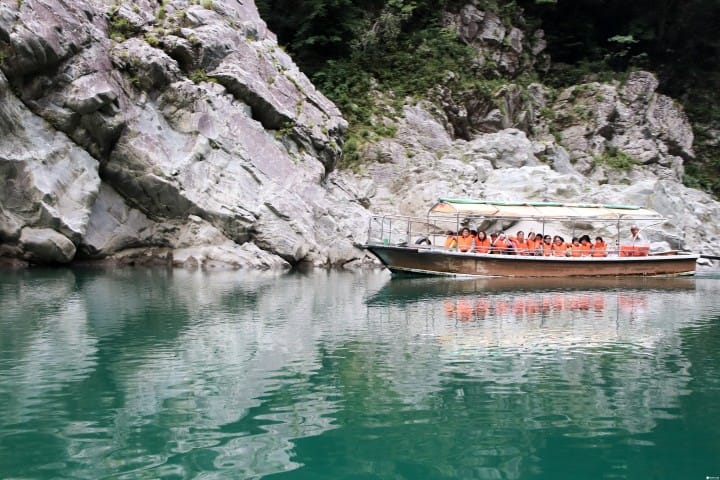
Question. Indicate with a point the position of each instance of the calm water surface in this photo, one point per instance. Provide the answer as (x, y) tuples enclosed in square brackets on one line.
[(171, 374)]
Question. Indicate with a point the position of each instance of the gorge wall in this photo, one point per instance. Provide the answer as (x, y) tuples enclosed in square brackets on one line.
[(179, 133)]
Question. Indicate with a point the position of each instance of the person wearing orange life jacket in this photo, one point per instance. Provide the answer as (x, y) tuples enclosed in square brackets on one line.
[(450, 240), (482, 242), (575, 249), (520, 243), (530, 241), (501, 244), (559, 247), (599, 249), (465, 240), (585, 247), (546, 247)]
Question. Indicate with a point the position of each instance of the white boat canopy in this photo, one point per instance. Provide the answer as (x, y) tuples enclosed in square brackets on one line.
[(542, 210)]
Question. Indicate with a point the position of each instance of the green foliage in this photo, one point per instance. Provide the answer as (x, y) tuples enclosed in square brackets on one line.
[(406, 65), (199, 75), (704, 170), (120, 28), (152, 39), (616, 159), (623, 39), (351, 152)]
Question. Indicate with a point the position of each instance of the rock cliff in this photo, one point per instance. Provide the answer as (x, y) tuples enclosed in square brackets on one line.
[(179, 133), (175, 132)]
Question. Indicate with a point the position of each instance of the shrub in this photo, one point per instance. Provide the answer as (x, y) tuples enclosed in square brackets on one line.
[(617, 159)]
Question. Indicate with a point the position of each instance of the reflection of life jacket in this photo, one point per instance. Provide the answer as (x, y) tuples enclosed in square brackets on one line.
[(599, 302), (599, 250), (464, 310), (482, 246), (465, 243), (482, 307), (450, 241)]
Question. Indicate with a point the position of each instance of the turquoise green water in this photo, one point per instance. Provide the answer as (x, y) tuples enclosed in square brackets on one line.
[(170, 374)]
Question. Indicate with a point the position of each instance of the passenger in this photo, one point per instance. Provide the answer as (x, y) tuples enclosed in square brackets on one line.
[(638, 244), (599, 249), (635, 237), (502, 244), (575, 249), (450, 240), (493, 237), (531, 242), (520, 243), (546, 246), (559, 247), (482, 242), (585, 246), (512, 248), (537, 248), (465, 241)]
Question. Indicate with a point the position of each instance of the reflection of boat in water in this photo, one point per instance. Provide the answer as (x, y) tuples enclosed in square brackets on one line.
[(410, 245), (535, 313), (540, 304), (408, 289)]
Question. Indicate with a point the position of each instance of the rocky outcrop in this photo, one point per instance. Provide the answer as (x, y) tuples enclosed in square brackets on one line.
[(177, 134), (503, 50), (629, 126)]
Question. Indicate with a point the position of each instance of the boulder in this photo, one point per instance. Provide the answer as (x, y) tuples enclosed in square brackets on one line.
[(46, 246)]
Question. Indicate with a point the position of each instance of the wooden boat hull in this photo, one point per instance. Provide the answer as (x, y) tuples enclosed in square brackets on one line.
[(442, 262)]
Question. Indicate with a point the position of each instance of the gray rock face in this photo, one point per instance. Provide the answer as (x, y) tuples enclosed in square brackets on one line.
[(179, 134), (604, 124), (48, 185), (500, 48)]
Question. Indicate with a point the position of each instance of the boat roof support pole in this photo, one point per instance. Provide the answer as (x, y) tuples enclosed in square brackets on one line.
[(457, 231)]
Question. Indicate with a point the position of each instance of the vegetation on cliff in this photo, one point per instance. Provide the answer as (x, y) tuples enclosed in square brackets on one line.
[(359, 52)]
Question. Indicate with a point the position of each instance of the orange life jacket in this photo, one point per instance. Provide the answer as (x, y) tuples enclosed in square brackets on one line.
[(599, 250), (465, 243), (532, 246), (450, 241), (523, 247), (482, 246), (560, 250), (500, 246)]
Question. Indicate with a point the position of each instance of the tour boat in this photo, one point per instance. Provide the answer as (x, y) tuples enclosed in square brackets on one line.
[(416, 245)]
